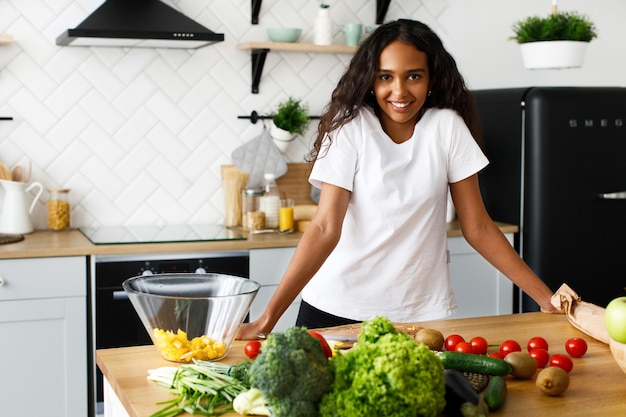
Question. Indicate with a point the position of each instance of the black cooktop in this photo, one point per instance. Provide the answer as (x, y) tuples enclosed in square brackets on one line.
[(112, 235)]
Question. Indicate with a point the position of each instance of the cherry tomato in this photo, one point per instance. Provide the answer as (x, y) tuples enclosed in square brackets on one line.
[(453, 340), (576, 347), (509, 346), (252, 349), (479, 344), (497, 355), (464, 347), (328, 352), (562, 362), (537, 343), (541, 356)]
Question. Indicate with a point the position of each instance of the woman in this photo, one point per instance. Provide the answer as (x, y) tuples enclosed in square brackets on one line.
[(397, 134)]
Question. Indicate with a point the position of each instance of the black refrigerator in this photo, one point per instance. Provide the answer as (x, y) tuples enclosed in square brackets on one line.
[(558, 170)]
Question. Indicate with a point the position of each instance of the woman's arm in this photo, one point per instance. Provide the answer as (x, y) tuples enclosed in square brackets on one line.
[(317, 242), (484, 236)]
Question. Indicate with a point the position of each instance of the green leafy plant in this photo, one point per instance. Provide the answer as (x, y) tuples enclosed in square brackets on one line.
[(292, 116), (566, 26)]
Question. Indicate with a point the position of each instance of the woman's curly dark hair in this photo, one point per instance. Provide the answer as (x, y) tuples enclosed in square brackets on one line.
[(447, 86)]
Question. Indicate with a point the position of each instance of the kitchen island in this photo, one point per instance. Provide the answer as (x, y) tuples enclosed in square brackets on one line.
[(596, 386)]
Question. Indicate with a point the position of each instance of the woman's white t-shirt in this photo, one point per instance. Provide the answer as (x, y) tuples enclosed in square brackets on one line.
[(392, 256)]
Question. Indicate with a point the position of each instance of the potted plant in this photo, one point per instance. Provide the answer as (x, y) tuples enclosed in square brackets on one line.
[(556, 41), (291, 119)]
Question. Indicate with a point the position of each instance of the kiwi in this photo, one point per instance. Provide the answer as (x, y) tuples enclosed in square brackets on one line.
[(431, 338), (552, 381), (523, 365)]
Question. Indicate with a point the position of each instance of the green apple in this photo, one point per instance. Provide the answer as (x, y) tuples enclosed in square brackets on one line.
[(615, 319)]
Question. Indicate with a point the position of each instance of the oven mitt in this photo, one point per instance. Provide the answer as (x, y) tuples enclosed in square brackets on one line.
[(258, 157), (586, 317)]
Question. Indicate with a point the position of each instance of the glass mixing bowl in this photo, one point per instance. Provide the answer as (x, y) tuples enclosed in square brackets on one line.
[(191, 316)]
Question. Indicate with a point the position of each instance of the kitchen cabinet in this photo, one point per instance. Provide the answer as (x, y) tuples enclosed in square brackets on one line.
[(43, 322), (480, 289), (267, 267)]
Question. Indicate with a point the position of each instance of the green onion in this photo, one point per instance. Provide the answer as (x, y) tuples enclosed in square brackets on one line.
[(202, 388)]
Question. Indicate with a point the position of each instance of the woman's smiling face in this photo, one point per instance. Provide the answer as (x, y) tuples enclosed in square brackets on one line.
[(401, 88)]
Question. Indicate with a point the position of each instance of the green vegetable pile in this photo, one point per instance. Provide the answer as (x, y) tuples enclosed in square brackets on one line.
[(291, 373), (203, 388), (385, 374)]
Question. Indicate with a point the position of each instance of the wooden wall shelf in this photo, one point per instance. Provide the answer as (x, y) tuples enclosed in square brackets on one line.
[(297, 47), (5, 39), (259, 51)]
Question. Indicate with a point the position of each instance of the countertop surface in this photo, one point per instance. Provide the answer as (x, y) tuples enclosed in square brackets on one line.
[(596, 385), (74, 243)]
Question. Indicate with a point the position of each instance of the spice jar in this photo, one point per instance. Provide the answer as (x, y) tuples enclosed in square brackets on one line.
[(59, 209), (252, 216)]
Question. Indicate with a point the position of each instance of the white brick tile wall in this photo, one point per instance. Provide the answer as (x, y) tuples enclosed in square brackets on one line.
[(139, 134)]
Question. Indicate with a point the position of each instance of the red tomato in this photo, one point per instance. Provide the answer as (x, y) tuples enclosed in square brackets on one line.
[(328, 352), (252, 349), (509, 346), (479, 344), (537, 343), (497, 355), (576, 347), (541, 356), (453, 340), (464, 347), (562, 362)]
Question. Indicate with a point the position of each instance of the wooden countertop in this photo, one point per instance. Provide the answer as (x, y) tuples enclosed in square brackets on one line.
[(596, 386), (40, 244), (74, 243)]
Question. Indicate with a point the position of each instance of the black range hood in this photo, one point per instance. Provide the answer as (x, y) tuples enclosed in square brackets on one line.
[(139, 23)]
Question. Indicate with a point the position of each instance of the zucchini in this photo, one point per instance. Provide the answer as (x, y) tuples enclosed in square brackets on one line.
[(495, 393), (470, 362)]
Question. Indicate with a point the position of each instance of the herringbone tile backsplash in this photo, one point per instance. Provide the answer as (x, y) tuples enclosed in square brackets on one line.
[(139, 135)]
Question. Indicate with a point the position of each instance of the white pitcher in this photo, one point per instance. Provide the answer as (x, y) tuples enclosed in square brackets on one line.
[(15, 215)]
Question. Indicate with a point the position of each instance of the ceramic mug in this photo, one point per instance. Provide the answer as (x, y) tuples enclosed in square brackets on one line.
[(353, 33)]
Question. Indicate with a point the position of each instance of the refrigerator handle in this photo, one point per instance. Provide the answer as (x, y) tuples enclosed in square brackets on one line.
[(620, 195)]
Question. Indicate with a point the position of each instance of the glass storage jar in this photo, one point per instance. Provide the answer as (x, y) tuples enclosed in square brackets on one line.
[(59, 208), (252, 217)]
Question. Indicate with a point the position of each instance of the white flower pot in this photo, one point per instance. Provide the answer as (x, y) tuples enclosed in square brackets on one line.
[(553, 54), (281, 137)]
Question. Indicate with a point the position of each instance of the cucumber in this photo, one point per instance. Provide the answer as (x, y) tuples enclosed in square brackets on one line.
[(470, 362), (495, 393)]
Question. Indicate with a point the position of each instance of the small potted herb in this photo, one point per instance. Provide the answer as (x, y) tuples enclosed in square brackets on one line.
[(291, 119), (558, 40)]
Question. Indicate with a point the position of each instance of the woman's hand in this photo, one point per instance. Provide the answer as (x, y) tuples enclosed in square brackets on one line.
[(252, 331), (551, 310)]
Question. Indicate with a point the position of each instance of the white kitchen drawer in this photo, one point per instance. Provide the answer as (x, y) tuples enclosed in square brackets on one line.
[(22, 279)]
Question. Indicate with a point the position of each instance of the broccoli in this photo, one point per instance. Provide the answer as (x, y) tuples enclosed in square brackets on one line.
[(386, 374), (240, 371), (292, 373)]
